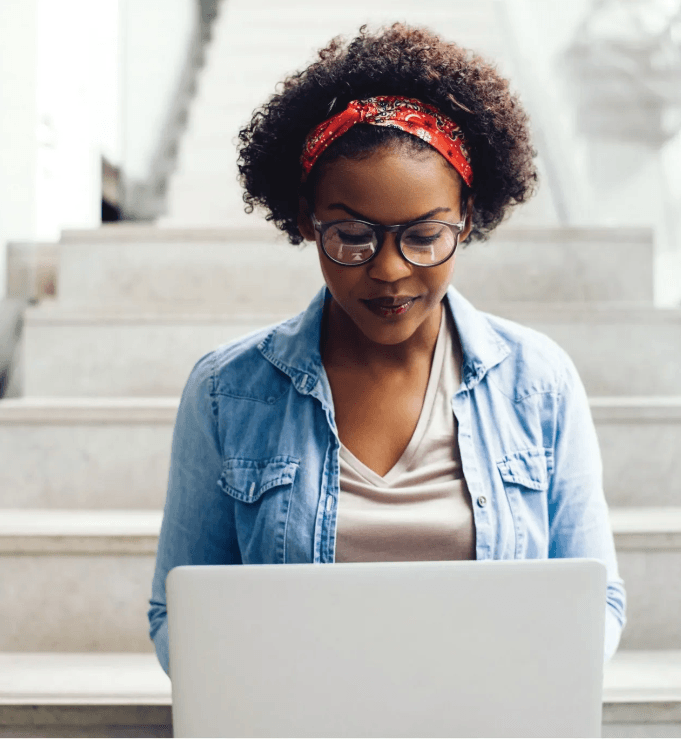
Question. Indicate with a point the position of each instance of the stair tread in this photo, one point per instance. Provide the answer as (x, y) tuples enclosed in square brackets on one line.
[(620, 313), (632, 676), (92, 678), (79, 523), (164, 409), (40, 522), (259, 228)]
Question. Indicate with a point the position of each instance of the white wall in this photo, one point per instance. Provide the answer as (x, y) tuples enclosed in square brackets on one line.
[(77, 97), (80, 79), (594, 180), (155, 39), (58, 113), (17, 124)]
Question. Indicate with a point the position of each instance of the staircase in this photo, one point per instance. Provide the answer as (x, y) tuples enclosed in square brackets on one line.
[(86, 449), (255, 45)]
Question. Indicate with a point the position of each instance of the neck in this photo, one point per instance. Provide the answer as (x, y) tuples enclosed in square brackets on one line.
[(343, 344)]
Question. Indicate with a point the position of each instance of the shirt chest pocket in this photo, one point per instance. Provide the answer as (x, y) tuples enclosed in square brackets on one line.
[(247, 480), (262, 492), (525, 477)]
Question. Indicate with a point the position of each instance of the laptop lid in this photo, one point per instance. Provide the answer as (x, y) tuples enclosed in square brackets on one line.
[(465, 648)]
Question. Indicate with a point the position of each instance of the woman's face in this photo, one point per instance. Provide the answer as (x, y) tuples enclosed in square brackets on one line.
[(392, 185)]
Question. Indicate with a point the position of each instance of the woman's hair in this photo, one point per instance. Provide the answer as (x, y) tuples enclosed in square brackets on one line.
[(399, 60)]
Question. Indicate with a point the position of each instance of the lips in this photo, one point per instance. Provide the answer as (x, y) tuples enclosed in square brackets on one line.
[(388, 307), (390, 302)]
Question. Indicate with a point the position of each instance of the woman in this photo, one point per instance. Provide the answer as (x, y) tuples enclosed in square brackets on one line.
[(391, 420)]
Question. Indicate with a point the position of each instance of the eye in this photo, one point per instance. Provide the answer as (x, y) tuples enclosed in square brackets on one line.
[(352, 238), (417, 241), (424, 236)]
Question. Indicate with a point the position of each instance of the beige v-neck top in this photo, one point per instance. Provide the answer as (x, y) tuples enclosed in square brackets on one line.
[(421, 509)]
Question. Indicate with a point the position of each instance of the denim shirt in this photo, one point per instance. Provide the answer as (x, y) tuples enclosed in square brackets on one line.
[(254, 472)]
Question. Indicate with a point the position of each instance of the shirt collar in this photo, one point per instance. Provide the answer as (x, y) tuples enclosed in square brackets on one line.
[(293, 346), (482, 347)]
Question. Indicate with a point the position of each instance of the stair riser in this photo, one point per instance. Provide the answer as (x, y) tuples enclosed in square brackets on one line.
[(156, 721), (81, 603), (273, 277), (620, 358), (119, 465), (651, 579), (75, 603), (190, 206), (86, 466), (641, 462), (201, 277), (115, 360), (154, 359)]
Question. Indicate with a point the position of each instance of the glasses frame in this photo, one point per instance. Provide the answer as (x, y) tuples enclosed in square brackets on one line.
[(381, 230)]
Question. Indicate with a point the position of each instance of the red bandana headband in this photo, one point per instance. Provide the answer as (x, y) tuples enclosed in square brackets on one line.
[(412, 116)]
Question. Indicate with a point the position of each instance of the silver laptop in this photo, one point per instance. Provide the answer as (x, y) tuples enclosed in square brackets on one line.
[(475, 649)]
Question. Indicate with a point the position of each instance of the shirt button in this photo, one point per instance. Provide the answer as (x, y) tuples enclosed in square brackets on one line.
[(329, 503), (482, 501)]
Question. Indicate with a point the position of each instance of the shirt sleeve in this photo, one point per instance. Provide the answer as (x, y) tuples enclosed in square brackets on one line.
[(198, 525), (579, 524)]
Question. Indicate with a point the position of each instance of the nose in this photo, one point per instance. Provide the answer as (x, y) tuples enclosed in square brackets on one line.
[(389, 265)]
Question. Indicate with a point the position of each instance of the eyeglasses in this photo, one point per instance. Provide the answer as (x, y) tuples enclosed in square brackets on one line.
[(421, 243)]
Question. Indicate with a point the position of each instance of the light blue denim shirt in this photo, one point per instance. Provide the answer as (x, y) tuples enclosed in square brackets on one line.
[(254, 472)]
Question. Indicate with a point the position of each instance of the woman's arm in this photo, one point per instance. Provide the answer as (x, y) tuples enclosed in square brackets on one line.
[(579, 525), (198, 519)]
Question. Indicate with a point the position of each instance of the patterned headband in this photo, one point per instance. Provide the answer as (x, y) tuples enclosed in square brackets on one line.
[(412, 116)]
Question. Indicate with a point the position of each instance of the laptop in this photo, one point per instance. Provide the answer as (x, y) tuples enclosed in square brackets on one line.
[(399, 649)]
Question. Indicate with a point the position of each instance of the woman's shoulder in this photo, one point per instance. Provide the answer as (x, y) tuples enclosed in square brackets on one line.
[(535, 362), (239, 367), (522, 359)]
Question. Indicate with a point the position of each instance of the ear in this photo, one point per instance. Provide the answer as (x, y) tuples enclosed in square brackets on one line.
[(305, 221), (469, 219)]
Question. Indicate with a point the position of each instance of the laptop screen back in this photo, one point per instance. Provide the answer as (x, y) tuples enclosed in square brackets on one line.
[(467, 648)]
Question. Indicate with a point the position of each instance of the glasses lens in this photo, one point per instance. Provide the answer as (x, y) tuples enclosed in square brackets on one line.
[(428, 242), (350, 242)]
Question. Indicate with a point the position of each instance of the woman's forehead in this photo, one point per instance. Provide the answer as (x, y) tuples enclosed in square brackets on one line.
[(391, 185)]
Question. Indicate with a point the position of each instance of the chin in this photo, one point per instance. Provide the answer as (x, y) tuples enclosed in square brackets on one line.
[(390, 333)]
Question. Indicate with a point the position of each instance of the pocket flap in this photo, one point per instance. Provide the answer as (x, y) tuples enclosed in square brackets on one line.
[(248, 479), (527, 468)]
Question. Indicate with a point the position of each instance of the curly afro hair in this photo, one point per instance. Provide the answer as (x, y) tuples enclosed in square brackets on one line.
[(399, 60)]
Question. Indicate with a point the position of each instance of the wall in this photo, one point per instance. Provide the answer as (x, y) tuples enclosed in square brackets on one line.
[(594, 179), (77, 100), (80, 79), (156, 34), (17, 123), (58, 111)]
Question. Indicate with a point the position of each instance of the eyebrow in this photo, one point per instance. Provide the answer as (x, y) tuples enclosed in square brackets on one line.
[(425, 216)]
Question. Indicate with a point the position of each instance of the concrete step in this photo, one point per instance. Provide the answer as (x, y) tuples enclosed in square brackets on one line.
[(168, 270), (85, 453), (114, 453), (31, 270), (640, 438), (91, 571), (118, 354), (206, 199), (129, 695), (618, 350), (226, 269), (84, 695)]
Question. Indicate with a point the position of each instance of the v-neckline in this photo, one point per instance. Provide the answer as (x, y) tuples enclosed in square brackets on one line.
[(407, 456)]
